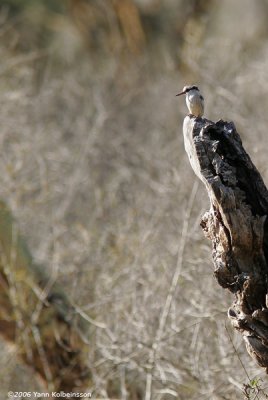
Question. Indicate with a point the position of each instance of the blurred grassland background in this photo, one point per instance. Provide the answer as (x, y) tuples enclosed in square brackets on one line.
[(94, 169)]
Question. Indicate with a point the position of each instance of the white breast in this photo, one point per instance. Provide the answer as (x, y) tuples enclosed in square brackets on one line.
[(195, 103)]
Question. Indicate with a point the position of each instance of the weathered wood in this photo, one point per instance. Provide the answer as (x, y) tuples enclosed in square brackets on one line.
[(236, 224)]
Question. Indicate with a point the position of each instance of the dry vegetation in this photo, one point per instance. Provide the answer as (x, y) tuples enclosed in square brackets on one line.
[(93, 167)]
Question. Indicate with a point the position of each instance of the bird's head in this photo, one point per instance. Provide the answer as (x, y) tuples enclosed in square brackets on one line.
[(187, 89)]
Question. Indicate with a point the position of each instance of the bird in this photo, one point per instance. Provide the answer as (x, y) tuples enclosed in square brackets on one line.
[(194, 100)]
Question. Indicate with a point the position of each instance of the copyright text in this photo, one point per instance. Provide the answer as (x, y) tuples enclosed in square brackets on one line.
[(61, 394)]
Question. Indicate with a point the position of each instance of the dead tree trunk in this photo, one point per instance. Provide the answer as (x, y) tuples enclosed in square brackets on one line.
[(236, 224)]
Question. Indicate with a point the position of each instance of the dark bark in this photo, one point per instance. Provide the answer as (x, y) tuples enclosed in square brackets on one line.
[(236, 224)]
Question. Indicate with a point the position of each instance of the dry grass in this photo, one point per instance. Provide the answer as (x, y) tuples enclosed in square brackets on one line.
[(93, 166)]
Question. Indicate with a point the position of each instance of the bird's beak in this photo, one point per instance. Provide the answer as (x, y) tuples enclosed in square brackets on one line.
[(179, 94)]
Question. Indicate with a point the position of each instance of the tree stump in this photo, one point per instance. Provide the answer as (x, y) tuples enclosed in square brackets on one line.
[(236, 224)]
